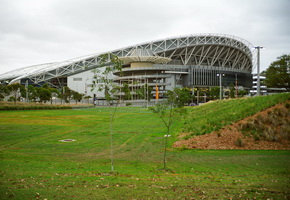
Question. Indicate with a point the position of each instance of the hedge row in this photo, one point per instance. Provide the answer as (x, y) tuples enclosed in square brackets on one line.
[(34, 107)]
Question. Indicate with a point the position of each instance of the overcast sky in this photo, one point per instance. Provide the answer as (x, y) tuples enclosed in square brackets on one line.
[(41, 31)]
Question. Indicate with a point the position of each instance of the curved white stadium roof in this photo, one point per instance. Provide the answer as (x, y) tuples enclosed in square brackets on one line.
[(162, 48), (23, 71)]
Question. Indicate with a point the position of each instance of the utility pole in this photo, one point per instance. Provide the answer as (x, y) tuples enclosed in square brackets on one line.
[(26, 90), (147, 93), (258, 69), (197, 99), (236, 86), (63, 94)]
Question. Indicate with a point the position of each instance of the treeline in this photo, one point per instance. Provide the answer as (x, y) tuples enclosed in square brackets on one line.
[(17, 92), (214, 92)]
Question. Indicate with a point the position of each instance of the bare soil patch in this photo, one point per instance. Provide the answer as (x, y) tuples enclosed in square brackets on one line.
[(231, 137)]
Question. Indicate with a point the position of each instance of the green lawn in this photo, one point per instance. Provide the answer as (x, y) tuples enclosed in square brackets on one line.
[(35, 165)]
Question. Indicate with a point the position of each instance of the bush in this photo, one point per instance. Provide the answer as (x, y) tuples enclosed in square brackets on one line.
[(24, 106), (239, 142)]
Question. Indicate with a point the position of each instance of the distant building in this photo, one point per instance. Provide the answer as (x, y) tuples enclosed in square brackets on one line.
[(263, 87), (190, 61)]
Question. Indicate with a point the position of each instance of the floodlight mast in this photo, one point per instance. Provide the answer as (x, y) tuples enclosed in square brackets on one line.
[(258, 70), (221, 89)]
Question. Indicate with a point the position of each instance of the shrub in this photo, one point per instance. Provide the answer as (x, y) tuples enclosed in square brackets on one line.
[(219, 134), (239, 142), (256, 137), (32, 107)]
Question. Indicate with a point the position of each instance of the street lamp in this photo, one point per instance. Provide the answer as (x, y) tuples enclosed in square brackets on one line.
[(220, 75), (26, 91), (258, 69)]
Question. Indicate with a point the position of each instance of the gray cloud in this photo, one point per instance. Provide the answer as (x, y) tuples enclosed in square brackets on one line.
[(33, 32)]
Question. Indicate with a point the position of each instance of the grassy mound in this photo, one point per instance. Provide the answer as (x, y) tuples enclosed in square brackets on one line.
[(215, 115), (273, 125), (265, 130)]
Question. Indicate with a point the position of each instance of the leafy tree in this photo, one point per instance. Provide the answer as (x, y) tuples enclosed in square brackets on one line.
[(3, 92), (46, 86), (109, 88), (232, 91), (182, 96), (88, 98), (242, 93), (32, 93), (67, 94), (145, 92), (44, 94), (23, 92), (166, 111), (14, 90), (214, 92), (12, 98), (54, 93), (278, 73), (77, 96), (126, 90)]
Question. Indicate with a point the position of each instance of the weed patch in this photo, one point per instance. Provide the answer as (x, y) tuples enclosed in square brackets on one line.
[(274, 126)]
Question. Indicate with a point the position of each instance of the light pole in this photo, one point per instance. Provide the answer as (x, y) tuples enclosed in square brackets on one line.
[(26, 91), (237, 86), (221, 90), (258, 69)]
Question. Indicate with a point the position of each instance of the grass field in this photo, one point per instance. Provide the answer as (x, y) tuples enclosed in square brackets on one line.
[(36, 165)]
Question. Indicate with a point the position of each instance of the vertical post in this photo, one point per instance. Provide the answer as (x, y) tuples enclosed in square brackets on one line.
[(144, 91), (192, 94), (258, 70), (220, 86), (197, 97), (147, 93), (220, 76), (120, 91), (26, 88), (111, 138), (62, 91), (236, 86), (132, 92)]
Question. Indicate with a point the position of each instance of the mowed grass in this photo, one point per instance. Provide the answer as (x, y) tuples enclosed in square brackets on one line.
[(36, 165)]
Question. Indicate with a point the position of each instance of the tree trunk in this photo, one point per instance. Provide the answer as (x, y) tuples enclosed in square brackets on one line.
[(15, 98), (111, 140), (165, 148)]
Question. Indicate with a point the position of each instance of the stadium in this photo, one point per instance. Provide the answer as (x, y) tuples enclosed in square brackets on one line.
[(194, 61)]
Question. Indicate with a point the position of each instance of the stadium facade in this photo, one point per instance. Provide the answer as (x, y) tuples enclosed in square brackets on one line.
[(190, 61)]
